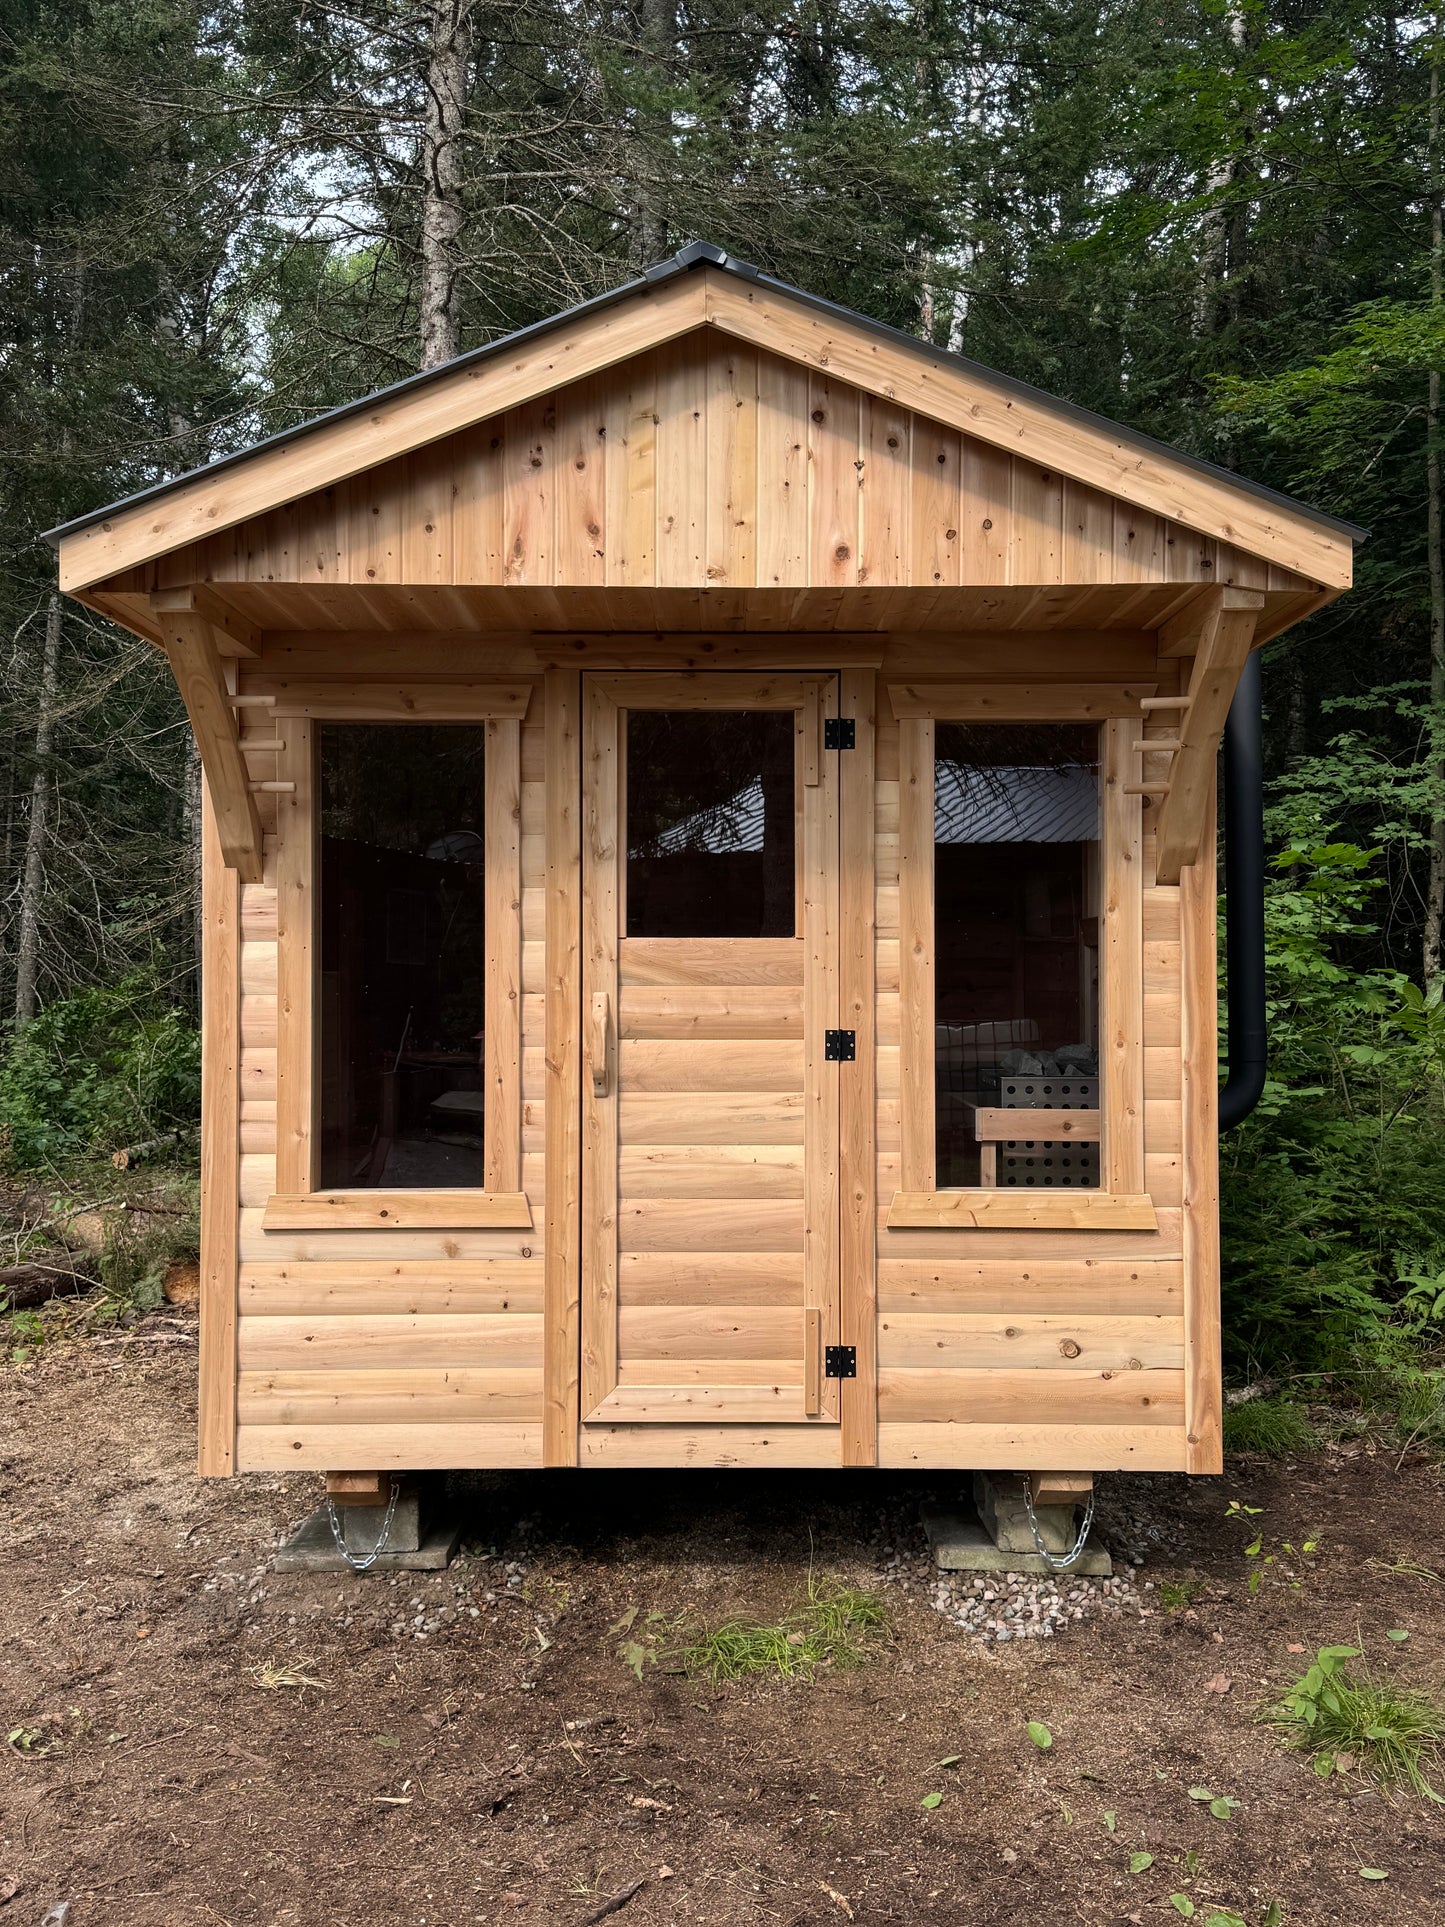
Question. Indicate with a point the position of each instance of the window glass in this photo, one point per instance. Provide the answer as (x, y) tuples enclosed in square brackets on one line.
[(403, 955), (1016, 949), (710, 823)]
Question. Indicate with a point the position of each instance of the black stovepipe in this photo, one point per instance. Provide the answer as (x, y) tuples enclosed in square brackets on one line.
[(1244, 899)]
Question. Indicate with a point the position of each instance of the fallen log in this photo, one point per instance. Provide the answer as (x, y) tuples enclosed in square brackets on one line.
[(151, 1147), (23, 1287)]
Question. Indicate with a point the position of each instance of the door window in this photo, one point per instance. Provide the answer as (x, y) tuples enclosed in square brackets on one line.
[(711, 816)]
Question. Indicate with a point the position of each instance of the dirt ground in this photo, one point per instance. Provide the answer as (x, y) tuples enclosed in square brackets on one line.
[(475, 1750)]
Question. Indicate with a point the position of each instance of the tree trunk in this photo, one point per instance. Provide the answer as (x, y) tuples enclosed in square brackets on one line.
[(1435, 886), (1214, 248), (448, 84), (37, 834), (659, 38)]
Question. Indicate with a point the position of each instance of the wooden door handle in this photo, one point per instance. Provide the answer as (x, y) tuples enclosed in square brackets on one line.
[(599, 1042)]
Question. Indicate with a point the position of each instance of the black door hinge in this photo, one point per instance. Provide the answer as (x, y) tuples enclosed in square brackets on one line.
[(840, 1361), (840, 732), (840, 1046)]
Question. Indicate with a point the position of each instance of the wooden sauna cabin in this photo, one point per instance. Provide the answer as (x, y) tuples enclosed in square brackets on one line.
[(709, 923)]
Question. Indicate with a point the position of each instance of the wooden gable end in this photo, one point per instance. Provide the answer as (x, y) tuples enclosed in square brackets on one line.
[(709, 464)]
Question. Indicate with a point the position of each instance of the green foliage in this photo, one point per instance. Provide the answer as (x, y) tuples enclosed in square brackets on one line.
[(1177, 1594), (99, 1069), (1274, 1427), (1347, 1721), (832, 1627), (1342, 1168)]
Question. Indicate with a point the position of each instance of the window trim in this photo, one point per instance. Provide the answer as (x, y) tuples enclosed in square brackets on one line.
[(1121, 1202), (297, 1204)]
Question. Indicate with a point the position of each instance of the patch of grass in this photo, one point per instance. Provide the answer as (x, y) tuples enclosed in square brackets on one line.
[(1273, 1427), (1176, 1594), (830, 1628), (1391, 1734)]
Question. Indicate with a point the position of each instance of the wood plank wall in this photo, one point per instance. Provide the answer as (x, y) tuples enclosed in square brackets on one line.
[(387, 1349), (971, 1323), (708, 463), (413, 1349)]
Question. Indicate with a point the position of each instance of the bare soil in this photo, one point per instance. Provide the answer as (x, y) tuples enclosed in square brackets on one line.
[(474, 1749)]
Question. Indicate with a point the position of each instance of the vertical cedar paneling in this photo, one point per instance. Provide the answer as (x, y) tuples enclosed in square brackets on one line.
[(985, 513), (502, 1028), (376, 507), (885, 521), (1203, 1383), (1121, 1064), (220, 1107), (296, 958), (1036, 550), (726, 466), (581, 485), (732, 465), (1240, 571), (427, 516), (833, 492), (479, 537), (782, 473), (857, 1319), (630, 536), (1138, 545), (528, 454), (915, 950), (317, 536), (935, 544), (1088, 552), (681, 465)]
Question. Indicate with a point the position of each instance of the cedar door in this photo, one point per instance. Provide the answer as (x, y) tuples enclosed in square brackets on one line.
[(709, 1105)]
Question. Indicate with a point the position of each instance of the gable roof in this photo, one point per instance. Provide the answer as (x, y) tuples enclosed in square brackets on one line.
[(702, 286)]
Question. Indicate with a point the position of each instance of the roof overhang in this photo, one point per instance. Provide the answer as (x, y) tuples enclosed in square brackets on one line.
[(699, 287)]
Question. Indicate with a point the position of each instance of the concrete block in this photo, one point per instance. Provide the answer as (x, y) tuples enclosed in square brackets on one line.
[(960, 1544), (311, 1548), (999, 1497)]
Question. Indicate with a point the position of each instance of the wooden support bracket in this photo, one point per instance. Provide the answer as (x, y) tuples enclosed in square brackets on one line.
[(236, 635), (190, 645), (1217, 630)]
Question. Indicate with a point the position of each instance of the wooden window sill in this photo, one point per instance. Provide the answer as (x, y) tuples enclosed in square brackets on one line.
[(399, 1210), (1020, 1211)]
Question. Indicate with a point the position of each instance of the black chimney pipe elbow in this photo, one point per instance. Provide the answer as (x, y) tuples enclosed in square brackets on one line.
[(1244, 899)]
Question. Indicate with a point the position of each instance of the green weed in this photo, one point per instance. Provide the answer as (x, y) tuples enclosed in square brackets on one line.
[(1347, 1721), (831, 1628), (1176, 1594), (1276, 1428)]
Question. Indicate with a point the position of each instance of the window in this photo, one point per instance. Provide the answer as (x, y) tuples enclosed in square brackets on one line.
[(1020, 962), (1016, 953), (711, 823), (401, 1004)]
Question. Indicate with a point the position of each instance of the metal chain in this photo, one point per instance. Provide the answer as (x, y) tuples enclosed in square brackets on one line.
[(1075, 1552), (363, 1565)]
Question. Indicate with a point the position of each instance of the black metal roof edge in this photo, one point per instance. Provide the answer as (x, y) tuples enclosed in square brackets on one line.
[(705, 254)]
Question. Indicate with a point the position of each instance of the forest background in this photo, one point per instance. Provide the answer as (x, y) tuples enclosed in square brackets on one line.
[(1219, 222)]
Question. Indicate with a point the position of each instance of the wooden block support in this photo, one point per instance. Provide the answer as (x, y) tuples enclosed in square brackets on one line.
[(358, 1488), (1060, 1488)]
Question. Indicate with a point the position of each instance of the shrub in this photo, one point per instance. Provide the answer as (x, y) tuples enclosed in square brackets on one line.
[(1275, 1427), (99, 1069)]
